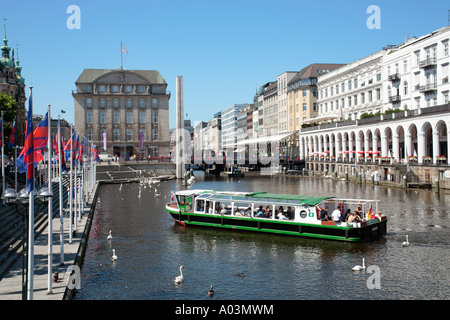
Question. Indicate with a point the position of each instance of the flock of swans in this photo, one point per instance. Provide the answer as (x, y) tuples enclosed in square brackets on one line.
[(143, 183)]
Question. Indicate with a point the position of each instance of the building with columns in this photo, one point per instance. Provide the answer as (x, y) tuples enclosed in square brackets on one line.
[(407, 130), (126, 105)]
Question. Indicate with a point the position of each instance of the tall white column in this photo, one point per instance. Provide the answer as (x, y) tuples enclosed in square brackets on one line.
[(420, 146), (396, 146), (374, 145), (179, 131), (366, 146), (384, 145), (436, 146)]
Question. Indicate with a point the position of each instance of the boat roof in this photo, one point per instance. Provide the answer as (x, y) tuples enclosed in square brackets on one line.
[(286, 199)]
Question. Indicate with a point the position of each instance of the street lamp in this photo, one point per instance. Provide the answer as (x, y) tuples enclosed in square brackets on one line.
[(21, 200)]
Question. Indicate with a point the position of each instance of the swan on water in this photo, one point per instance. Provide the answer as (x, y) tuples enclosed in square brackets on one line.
[(211, 291), (180, 278), (109, 236), (359, 268), (114, 257), (405, 243)]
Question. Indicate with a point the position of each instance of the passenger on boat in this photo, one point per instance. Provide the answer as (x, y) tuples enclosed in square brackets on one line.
[(354, 217), (359, 212), (248, 212), (268, 212), (346, 215), (281, 216), (224, 210), (378, 215), (290, 213), (336, 215), (237, 212), (323, 213), (260, 212)]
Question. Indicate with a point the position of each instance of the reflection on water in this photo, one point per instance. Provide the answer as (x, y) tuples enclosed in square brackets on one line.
[(150, 248)]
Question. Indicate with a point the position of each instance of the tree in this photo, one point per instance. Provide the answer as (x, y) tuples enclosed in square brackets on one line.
[(9, 107)]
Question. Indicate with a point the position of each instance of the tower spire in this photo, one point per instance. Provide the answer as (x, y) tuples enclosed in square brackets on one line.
[(5, 48)]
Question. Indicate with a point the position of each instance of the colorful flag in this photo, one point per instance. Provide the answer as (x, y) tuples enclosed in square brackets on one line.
[(63, 158), (28, 148), (40, 137), (12, 136), (369, 214), (95, 153)]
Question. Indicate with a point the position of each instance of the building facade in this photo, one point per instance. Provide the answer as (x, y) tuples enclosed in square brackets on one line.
[(270, 110), (282, 92), (130, 106), (230, 125), (415, 73), (12, 83), (410, 82), (351, 90), (302, 99)]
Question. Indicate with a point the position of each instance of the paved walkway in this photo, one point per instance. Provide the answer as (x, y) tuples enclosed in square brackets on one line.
[(11, 284)]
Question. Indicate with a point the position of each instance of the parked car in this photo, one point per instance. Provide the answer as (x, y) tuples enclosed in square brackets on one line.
[(106, 157)]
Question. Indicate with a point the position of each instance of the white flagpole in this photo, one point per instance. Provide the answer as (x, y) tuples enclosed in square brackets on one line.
[(50, 205), (71, 182), (121, 59), (30, 229), (61, 224)]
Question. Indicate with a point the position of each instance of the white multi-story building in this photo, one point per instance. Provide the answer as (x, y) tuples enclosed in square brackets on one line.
[(411, 77), (282, 93), (351, 90), (229, 124), (270, 110), (415, 74)]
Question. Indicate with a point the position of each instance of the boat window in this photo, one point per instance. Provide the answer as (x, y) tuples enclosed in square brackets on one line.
[(242, 209), (263, 210), (223, 207), (200, 205), (209, 207)]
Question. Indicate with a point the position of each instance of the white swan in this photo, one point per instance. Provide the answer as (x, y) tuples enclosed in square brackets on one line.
[(359, 268), (211, 291), (109, 236), (405, 243), (180, 278), (114, 257)]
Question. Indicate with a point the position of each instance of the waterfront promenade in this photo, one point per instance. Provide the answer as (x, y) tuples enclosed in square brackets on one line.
[(11, 284)]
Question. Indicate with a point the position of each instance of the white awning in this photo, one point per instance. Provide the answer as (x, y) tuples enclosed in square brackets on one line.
[(322, 118), (267, 139)]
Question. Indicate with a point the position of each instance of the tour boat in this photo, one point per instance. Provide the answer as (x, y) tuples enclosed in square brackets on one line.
[(290, 214)]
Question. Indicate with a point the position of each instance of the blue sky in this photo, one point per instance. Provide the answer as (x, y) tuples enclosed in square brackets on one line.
[(223, 49)]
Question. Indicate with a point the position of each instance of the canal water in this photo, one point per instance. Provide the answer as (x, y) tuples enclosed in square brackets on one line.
[(150, 248)]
